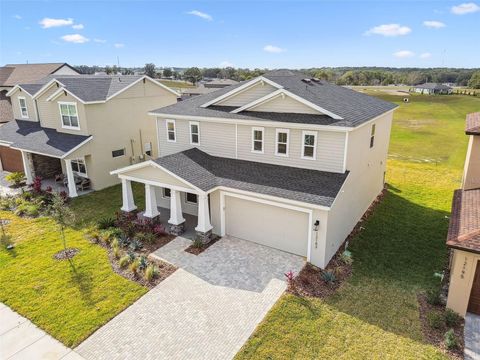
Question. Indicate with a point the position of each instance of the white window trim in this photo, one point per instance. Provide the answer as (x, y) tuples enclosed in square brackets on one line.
[(277, 131), (119, 156), (20, 105), (163, 193), (256, 128), (85, 175), (190, 202), (60, 103), (198, 134), (314, 133), (174, 130)]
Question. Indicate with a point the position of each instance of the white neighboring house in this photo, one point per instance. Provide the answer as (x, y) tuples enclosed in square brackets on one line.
[(282, 160)]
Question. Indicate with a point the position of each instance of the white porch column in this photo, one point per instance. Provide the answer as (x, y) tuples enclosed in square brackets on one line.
[(72, 187), (26, 167), (176, 216), (151, 209), (127, 196), (203, 214)]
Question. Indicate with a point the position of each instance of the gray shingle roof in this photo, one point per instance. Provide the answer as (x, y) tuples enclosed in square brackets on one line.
[(30, 136), (206, 172), (433, 86), (355, 108)]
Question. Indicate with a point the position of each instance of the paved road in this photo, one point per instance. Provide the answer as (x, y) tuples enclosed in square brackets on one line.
[(472, 337)]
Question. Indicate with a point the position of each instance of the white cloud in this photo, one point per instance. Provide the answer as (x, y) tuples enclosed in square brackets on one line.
[(465, 8), (226, 63), (402, 54), (100, 41), (119, 45), (201, 15), (75, 38), (389, 30), (18, 17), (78, 26), (433, 24), (425, 55), (49, 22), (273, 49)]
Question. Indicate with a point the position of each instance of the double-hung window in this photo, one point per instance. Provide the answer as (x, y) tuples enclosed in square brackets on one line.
[(23, 107), (78, 166), (166, 192), (191, 198), (171, 133), (372, 136), (257, 139), (281, 145), (194, 133), (309, 149), (69, 114)]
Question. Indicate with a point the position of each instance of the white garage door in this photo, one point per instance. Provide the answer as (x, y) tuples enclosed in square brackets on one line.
[(273, 226)]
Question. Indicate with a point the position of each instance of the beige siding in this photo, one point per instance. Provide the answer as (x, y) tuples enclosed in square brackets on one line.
[(244, 97), (285, 105), (65, 70), (471, 176), (32, 114), (152, 173), (187, 208)]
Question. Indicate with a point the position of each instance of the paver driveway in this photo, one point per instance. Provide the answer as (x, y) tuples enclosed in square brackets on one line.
[(207, 309)]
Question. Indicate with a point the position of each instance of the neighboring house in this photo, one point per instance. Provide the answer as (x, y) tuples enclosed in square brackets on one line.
[(84, 126), (464, 230), (281, 160), (194, 91), (220, 83), (13, 74), (432, 89)]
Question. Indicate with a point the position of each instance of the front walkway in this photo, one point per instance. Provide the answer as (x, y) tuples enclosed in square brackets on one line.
[(207, 309), (472, 337), (21, 340)]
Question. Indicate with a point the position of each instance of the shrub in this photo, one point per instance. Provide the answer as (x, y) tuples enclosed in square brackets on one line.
[(433, 296), (7, 203), (134, 265), (110, 234), (151, 272), (346, 257), (5, 240), (114, 244), (116, 252), (142, 263), (37, 185), (132, 256), (435, 320), (451, 341), (123, 240), (197, 243), (148, 237), (94, 236), (135, 245), (329, 277), (27, 209), (126, 222), (105, 223), (159, 230), (452, 319), (16, 178), (124, 261)]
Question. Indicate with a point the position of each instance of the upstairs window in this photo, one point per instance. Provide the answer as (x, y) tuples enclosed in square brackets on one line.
[(257, 139), (194, 133), (69, 114), (309, 150), (281, 146), (171, 133), (23, 107), (372, 136)]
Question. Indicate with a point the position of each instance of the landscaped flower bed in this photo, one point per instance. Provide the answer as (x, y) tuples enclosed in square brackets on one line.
[(198, 246)]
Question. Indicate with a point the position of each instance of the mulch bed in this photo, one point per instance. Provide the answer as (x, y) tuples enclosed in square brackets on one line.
[(66, 254), (436, 336), (198, 250), (151, 247)]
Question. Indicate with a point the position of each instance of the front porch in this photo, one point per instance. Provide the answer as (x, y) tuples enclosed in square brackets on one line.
[(191, 222)]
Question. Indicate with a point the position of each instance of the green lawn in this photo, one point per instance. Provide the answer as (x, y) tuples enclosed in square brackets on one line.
[(375, 313)]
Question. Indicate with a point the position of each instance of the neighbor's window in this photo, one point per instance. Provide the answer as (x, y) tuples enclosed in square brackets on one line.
[(309, 145), (372, 136), (147, 147), (166, 192), (192, 198), (194, 133), (79, 167), (23, 107), (118, 153), (171, 134), (69, 115), (257, 139), (282, 142)]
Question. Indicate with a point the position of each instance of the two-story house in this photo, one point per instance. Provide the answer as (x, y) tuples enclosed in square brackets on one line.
[(79, 128), (464, 230), (282, 160)]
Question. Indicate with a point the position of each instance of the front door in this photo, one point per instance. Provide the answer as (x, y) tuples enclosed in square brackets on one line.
[(474, 302)]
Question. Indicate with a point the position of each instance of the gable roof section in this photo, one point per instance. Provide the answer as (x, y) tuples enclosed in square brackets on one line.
[(27, 73), (472, 124), (433, 86)]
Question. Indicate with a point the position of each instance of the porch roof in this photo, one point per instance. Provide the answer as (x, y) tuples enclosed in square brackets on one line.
[(207, 172), (32, 137)]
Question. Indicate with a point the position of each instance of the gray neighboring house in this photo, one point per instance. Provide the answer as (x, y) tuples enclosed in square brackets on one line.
[(282, 160), (432, 89)]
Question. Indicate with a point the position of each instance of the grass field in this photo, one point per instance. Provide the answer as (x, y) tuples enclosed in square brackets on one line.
[(375, 314)]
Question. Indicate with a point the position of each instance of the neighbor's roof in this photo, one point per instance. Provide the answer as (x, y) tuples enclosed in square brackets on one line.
[(30, 136), (355, 108), (13, 74), (433, 86), (464, 228), (472, 124), (207, 172), (220, 83)]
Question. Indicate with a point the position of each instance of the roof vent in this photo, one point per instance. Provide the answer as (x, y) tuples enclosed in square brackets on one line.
[(308, 81), (316, 80)]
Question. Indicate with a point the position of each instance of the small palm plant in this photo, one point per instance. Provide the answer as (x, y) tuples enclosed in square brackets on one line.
[(62, 215)]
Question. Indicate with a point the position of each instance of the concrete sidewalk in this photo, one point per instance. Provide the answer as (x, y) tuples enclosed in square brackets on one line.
[(472, 337), (20, 339)]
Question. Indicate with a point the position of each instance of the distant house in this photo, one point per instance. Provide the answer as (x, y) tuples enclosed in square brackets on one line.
[(220, 83), (13, 74), (464, 230), (432, 89), (194, 91)]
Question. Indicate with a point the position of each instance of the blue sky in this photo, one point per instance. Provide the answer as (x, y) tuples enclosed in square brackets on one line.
[(270, 34)]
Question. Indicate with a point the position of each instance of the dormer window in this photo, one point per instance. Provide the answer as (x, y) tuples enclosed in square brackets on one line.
[(69, 115), (23, 107)]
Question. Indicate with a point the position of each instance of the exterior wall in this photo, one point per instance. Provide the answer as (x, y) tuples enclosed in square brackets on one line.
[(6, 111), (471, 175), (32, 114), (462, 272), (244, 97), (66, 70), (285, 105), (365, 181)]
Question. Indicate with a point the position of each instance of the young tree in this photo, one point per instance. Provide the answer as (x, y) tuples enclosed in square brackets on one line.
[(150, 70), (193, 75), (167, 73), (62, 214), (474, 81)]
